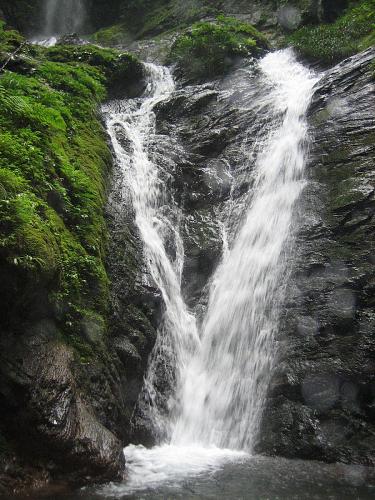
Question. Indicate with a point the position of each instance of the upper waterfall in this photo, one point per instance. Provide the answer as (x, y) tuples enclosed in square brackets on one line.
[(63, 16)]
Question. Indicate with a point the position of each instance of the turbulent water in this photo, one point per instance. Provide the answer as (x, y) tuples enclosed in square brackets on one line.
[(218, 374)]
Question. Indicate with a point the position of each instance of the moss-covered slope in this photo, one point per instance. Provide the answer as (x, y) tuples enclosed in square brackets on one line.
[(211, 48), (59, 381), (54, 163)]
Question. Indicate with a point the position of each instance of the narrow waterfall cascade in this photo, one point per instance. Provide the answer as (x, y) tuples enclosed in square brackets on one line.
[(221, 373), (157, 218), (63, 16)]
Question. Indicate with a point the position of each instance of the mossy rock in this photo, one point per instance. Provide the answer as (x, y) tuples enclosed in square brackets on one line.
[(121, 69), (54, 170), (209, 49), (112, 36)]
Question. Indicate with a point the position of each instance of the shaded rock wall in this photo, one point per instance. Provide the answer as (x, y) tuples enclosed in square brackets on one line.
[(46, 413), (136, 304)]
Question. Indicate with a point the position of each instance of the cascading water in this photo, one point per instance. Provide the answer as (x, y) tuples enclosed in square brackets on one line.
[(220, 376), (59, 18), (225, 384), (158, 227)]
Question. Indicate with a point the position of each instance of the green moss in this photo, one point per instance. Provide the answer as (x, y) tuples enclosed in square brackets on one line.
[(54, 165), (119, 69), (112, 36), (9, 39), (149, 18), (136, 14), (210, 48), (352, 32), (156, 20)]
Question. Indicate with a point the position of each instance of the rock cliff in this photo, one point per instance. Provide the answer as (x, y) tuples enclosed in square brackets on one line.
[(322, 397)]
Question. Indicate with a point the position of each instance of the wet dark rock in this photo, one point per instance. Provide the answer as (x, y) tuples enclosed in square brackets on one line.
[(206, 127), (44, 404), (331, 9), (325, 381), (136, 303), (71, 39)]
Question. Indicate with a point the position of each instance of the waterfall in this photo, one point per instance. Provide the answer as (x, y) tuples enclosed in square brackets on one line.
[(225, 384), (220, 373), (63, 16), (158, 227)]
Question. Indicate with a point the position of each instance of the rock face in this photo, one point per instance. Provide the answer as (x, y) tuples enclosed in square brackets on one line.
[(136, 304), (209, 124), (322, 398), (43, 402)]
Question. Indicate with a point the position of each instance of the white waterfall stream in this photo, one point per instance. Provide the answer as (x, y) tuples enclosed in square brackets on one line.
[(178, 335), (222, 372), (63, 16), (60, 17), (225, 385)]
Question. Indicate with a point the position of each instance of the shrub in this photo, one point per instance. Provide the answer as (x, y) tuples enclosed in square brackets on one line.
[(112, 36)]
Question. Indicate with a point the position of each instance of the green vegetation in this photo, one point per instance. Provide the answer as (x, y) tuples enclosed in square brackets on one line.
[(170, 15), (352, 32), (121, 70), (112, 36), (145, 18), (9, 39), (54, 165), (209, 49), (142, 16)]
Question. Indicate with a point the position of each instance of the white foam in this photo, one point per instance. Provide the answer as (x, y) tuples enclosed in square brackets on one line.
[(169, 465)]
